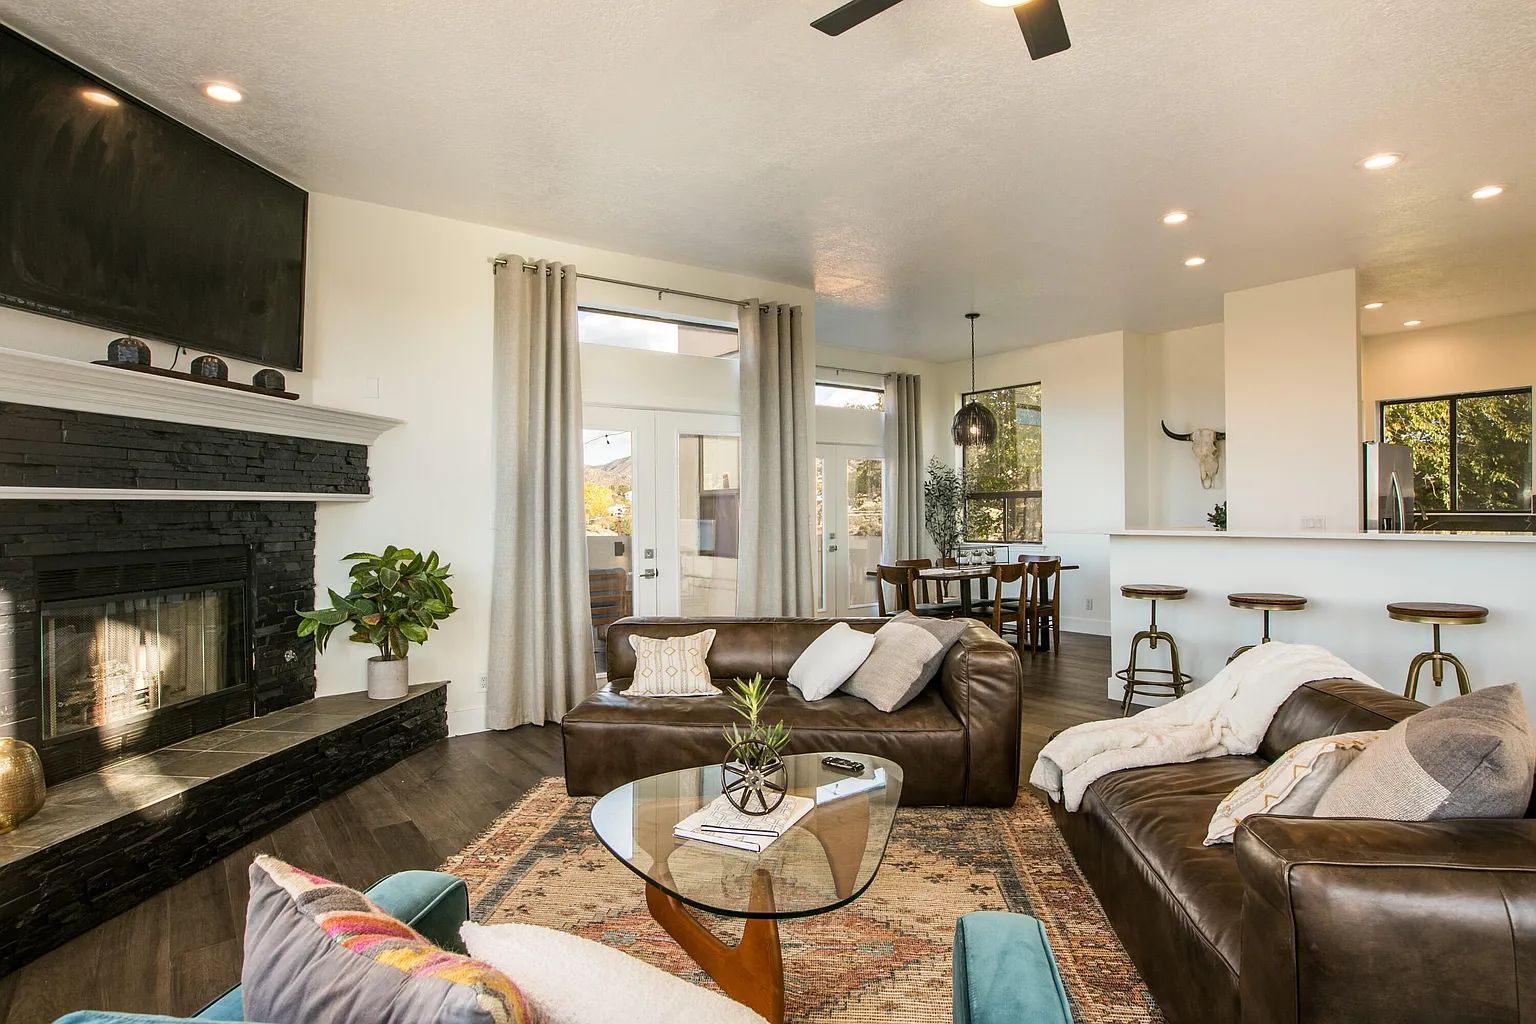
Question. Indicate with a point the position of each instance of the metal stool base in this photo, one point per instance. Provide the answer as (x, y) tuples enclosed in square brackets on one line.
[(1164, 681), (1436, 660)]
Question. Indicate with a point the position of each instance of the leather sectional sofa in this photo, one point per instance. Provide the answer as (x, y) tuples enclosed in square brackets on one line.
[(957, 742), (1316, 920)]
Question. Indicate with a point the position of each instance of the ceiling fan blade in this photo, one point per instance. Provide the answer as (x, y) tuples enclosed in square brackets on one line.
[(1045, 32), (855, 12)]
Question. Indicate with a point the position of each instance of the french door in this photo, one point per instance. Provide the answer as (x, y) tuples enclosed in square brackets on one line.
[(849, 528), (662, 495)]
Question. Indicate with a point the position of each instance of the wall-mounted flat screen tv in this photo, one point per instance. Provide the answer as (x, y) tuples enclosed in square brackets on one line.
[(114, 215)]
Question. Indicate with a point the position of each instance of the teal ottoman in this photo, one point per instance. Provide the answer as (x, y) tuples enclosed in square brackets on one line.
[(1004, 972)]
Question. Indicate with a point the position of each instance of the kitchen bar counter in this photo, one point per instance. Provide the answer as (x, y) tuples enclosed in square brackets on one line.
[(1348, 580)]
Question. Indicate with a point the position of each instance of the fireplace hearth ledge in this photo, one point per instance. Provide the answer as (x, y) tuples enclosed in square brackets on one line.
[(30, 378), (145, 494)]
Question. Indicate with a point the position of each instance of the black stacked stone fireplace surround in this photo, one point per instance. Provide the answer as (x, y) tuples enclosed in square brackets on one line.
[(45, 448)]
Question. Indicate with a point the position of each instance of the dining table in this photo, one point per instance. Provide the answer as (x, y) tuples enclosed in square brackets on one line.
[(963, 575)]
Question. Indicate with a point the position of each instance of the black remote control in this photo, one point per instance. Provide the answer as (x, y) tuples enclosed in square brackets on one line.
[(843, 764)]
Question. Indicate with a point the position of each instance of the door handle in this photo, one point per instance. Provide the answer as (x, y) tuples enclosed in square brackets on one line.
[(832, 547), (650, 574)]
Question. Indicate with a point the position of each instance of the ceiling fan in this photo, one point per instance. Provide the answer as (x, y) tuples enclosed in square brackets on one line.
[(1044, 30)]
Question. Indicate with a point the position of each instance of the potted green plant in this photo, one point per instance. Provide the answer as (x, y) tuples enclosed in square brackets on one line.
[(395, 599), (1217, 517), (942, 494), (752, 775)]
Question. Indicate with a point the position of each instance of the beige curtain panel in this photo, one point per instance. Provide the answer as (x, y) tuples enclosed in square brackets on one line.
[(541, 609), (774, 571), (902, 493)]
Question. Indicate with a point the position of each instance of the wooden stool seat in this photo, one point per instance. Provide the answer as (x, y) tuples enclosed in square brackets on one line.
[(1265, 602), (1268, 602), (1154, 592), (1438, 613)]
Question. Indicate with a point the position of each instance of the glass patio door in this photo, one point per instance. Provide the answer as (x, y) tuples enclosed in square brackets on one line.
[(849, 528), (663, 510)]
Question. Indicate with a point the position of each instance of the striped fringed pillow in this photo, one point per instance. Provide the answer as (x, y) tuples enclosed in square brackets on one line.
[(319, 951)]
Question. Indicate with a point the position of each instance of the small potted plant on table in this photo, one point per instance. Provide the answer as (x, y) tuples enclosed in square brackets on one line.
[(753, 776), (395, 599)]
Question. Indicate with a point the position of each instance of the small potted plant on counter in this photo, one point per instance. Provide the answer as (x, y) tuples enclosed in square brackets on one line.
[(395, 599)]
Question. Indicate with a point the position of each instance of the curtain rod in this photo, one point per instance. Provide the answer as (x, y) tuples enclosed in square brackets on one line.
[(738, 303)]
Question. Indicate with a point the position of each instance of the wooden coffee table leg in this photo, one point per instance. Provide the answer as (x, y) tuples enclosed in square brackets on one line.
[(752, 971)]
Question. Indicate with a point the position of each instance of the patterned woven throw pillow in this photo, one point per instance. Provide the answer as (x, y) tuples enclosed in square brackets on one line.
[(318, 951), (907, 654), (1292, 785), (672, 666)]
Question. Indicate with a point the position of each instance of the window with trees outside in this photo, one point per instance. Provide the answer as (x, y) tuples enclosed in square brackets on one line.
[(1002, 479), (1471, 452)]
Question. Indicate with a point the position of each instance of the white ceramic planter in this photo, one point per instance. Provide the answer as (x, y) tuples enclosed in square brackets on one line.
[(388, 680)]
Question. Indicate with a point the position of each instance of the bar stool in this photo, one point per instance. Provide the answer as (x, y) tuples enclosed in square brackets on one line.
[(1437, 614), (1265, 603), (1170, 678)]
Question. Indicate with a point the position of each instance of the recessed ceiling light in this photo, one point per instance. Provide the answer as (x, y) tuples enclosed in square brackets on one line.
[(1373, 305), (100, 97), (1412, 323), (1195, 261), (1381, 161), (1175, 217), (1488, 192), (222, 92)]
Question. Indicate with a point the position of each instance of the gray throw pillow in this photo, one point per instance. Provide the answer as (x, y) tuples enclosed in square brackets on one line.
[(908, 652), (1471, 757), (318, 951)]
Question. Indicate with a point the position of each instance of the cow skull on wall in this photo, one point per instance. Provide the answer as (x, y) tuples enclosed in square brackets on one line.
[(1206, 444)]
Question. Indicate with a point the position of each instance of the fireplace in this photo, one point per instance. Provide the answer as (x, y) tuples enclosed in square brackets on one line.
[(138, 650)]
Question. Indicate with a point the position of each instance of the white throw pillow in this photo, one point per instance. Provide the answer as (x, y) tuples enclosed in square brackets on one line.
[(570, 980), (1292, 785), (672, 667), (830, 660)]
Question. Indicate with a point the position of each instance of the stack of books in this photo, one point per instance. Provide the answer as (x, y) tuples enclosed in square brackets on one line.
[(720, 823)]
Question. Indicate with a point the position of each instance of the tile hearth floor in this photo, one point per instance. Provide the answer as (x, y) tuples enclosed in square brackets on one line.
[(89, 801), (182, 947)]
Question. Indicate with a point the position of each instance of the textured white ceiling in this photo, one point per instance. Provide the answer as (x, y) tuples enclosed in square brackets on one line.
[(913, 168)]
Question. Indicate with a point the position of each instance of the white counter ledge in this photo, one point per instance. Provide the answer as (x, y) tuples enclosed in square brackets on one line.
[(1463, 538)]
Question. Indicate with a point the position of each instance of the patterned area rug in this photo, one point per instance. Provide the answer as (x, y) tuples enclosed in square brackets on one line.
[(885, 957)]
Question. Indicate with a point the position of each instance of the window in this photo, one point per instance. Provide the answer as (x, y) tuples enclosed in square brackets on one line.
[(1471, 452), (1002, 479), (654, 333), (842, 396)]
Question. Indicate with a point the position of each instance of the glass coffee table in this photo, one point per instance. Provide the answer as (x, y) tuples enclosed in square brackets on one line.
[(825, 861)]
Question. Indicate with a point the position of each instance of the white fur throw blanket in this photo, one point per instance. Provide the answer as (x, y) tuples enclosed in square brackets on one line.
[(1228, 715)]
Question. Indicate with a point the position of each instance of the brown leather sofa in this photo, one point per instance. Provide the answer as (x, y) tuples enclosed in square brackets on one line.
[(1316, 920), (957, 742)]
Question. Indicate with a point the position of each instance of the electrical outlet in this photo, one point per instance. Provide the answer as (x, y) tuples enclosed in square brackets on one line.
[(1089, 604), (1314, 522), (482, 682), (370, 387)]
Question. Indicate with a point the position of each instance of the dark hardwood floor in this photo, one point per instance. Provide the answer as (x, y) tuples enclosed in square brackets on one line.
[(181, 948)]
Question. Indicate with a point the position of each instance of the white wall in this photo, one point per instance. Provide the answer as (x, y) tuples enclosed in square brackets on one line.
[(1348, 583), (1293, 404), (1186, 387), (406, 298), (1480, 355)]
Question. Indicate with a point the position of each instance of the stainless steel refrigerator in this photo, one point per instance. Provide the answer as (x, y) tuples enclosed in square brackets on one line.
[(1389, 490)]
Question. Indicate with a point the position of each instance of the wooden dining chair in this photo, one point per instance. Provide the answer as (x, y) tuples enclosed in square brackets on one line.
[(901, 578), (943, 608), (1008, 614), (1043, 608)]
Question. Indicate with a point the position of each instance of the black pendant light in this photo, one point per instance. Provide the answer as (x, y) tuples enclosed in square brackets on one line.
[(974, 423)]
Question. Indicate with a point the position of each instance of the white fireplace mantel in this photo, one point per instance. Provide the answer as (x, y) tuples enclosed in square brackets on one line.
[(32, 379)]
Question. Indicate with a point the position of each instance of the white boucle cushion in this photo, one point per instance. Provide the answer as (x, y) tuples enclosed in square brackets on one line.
[(570, 980), (1292, 785), (672, 667), (830, 660)]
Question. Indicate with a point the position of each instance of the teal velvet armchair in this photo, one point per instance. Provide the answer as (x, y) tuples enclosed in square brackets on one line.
[(434, 904), (1004, 972)]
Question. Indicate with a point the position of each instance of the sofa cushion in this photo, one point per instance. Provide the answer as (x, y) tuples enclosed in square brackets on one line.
[(672, 666), (1175, 903), (316, 950), (1291, 786), (743, 647), (602, 751), (1331, 706), (1471, 757), (830, 660), (907, 654)]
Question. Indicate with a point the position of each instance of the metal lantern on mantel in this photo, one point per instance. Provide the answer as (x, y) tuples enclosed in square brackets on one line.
[(974, 424)]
